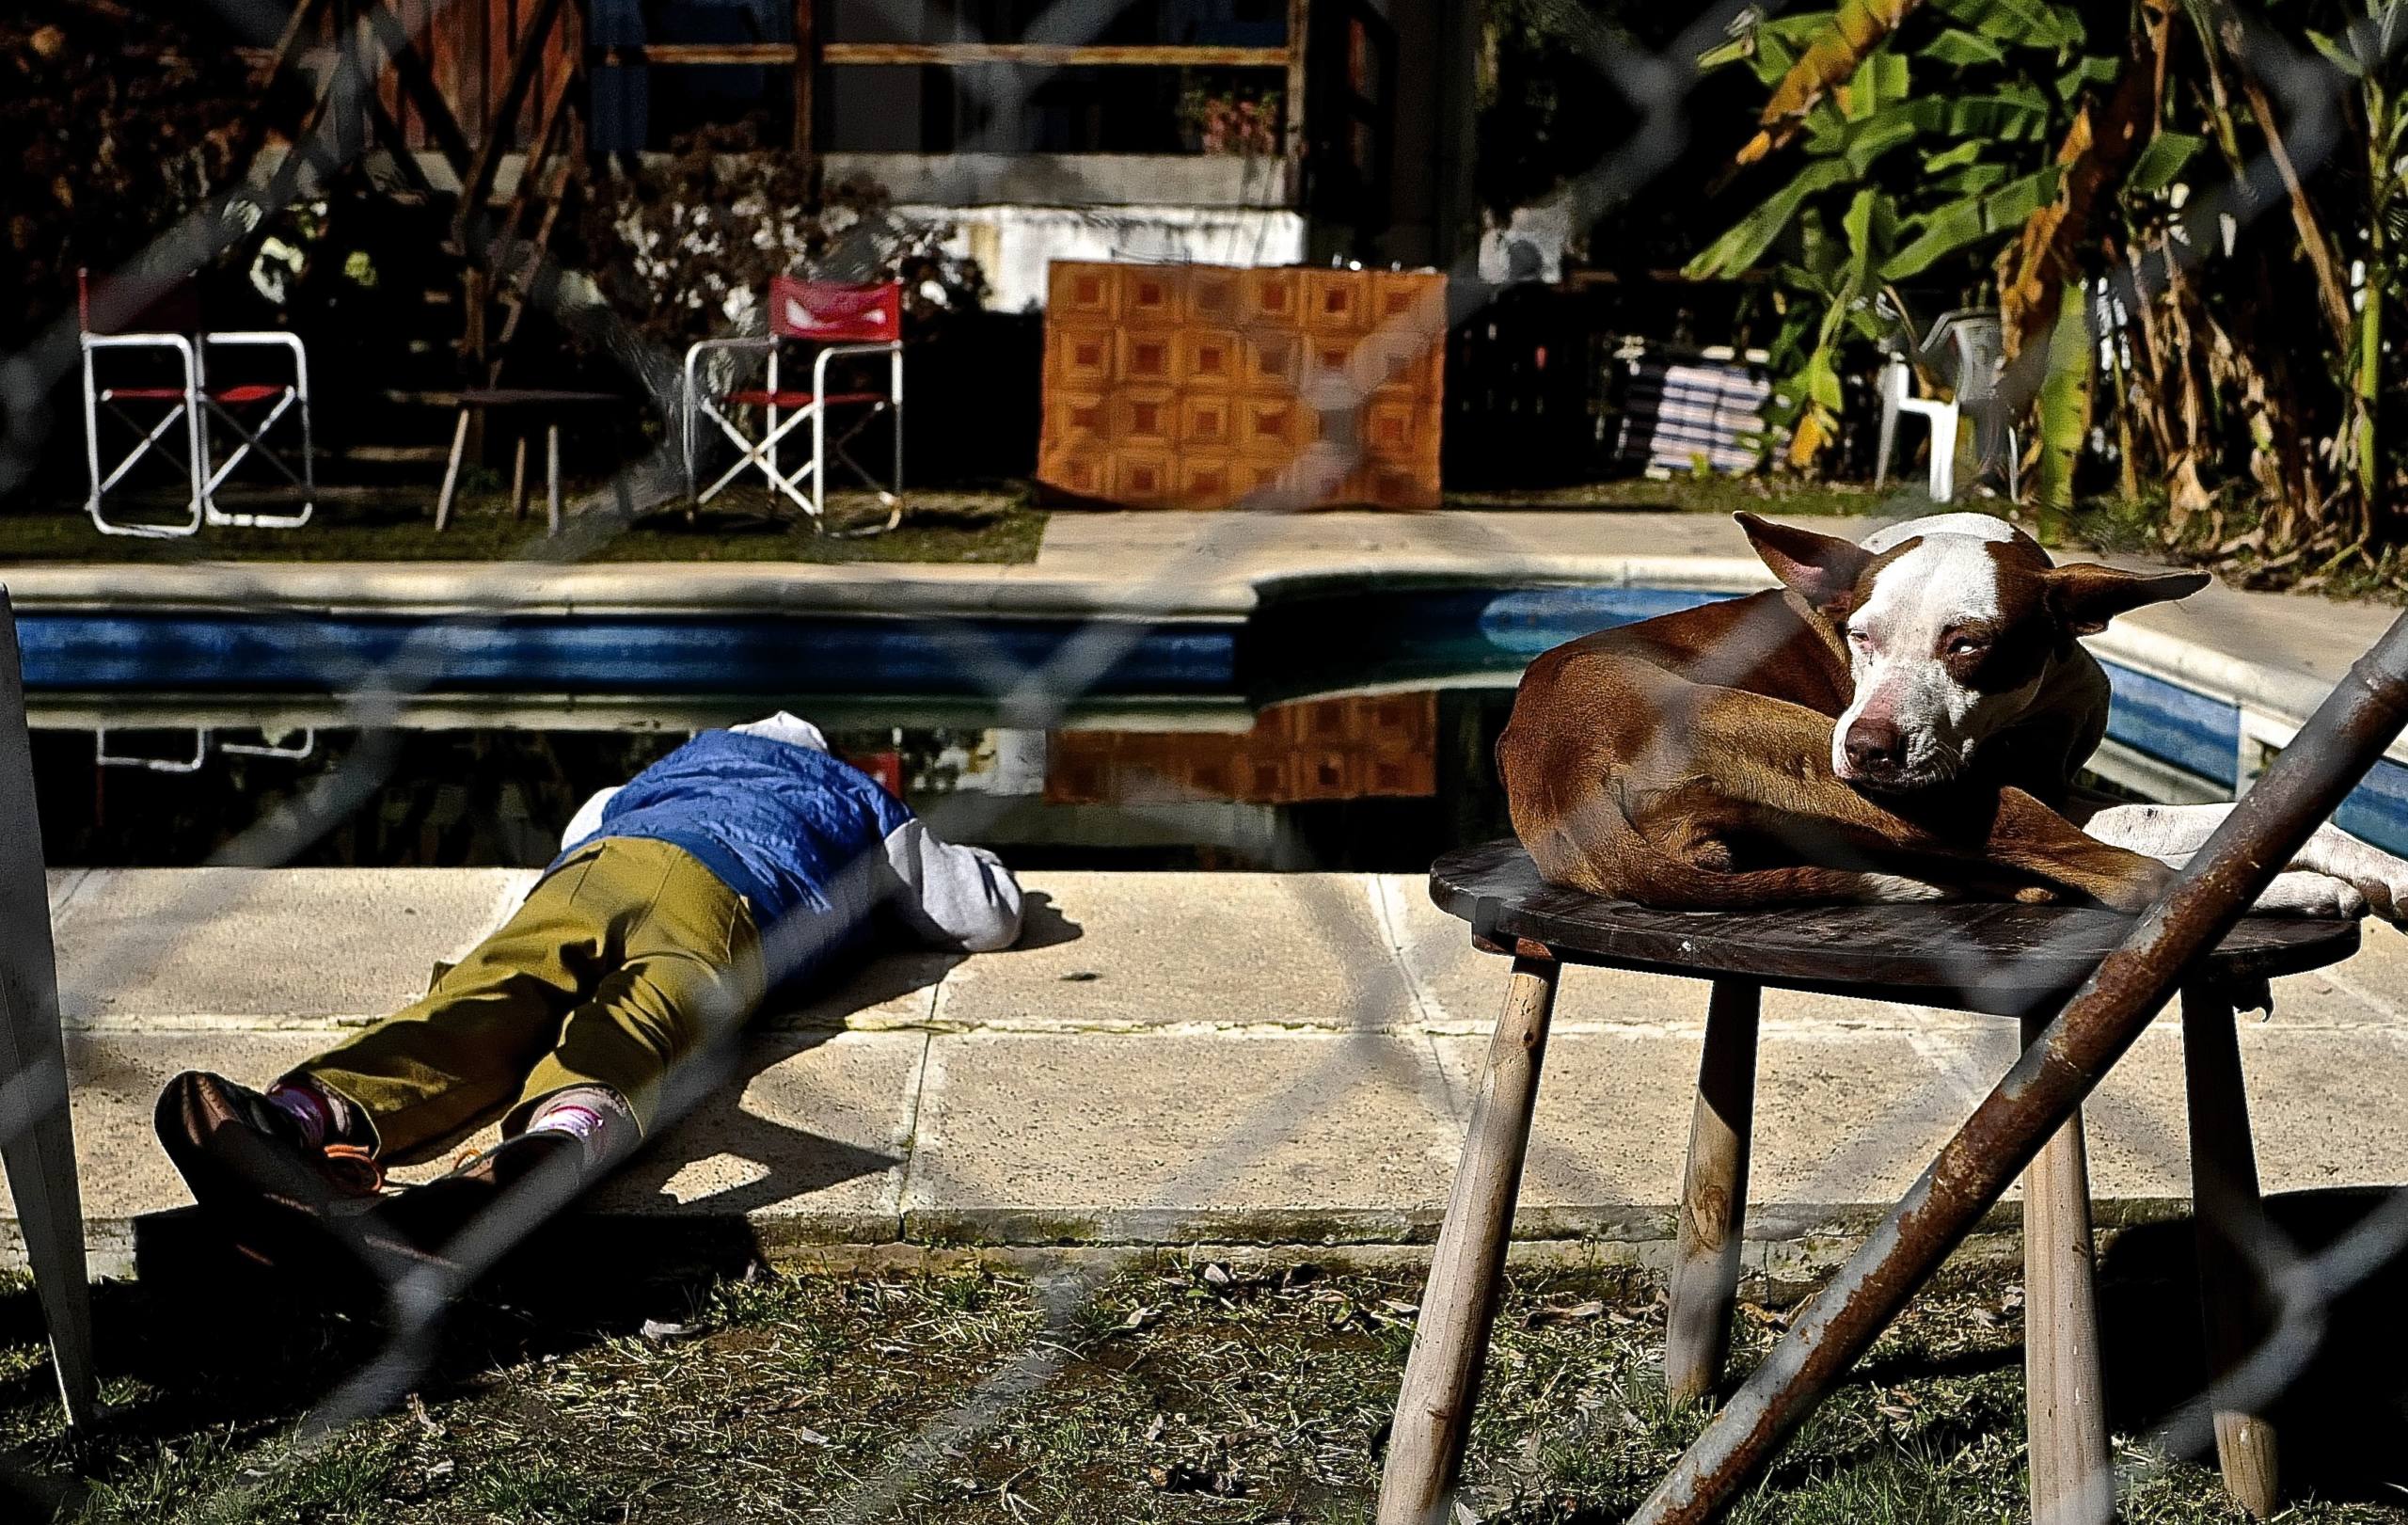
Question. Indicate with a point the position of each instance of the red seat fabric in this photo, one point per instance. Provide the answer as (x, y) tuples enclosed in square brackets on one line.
[(144, 394), (832, 313), (253, 391), (758, 397)]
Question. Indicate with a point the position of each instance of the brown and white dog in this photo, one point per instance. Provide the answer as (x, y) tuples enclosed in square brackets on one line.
[(1902, 720)]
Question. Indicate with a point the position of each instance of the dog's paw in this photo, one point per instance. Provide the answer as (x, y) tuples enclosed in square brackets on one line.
[(2379, 876), (2300, 893)]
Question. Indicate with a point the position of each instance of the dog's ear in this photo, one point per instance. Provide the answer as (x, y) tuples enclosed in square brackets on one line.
[(1820, 569), (2085, 596)]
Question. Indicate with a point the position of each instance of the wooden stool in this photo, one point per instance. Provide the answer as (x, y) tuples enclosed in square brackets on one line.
[(1997, 959), (546, 404)]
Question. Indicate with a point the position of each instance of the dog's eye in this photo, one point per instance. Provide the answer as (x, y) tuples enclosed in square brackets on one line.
[(1965, 645), (1861, 638)]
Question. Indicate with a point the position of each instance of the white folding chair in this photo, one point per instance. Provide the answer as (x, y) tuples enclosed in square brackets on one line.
[(194, 404), (176, 387), (846, 322), (1965, 347), (279, 398)]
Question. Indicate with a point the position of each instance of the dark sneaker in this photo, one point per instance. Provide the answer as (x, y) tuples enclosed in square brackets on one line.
[(472, 1216), (249, 1166)]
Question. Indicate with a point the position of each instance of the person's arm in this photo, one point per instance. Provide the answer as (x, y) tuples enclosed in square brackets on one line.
[(951, 896), (587, 820)]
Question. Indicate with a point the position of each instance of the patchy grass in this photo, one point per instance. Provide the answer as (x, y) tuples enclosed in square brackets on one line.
[(939, 527), (1174, 1392)]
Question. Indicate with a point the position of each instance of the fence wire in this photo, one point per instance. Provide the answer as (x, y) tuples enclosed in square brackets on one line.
[(1658, 87)]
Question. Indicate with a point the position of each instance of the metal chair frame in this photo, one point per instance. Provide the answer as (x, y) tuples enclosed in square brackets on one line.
[(185, 411), (286, 399), (806, 485), (195, 405)]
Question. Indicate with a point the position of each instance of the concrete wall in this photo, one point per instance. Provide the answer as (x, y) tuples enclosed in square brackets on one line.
[(1015, 243)]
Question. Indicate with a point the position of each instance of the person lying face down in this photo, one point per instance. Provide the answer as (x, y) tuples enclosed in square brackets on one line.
[(749, 861)]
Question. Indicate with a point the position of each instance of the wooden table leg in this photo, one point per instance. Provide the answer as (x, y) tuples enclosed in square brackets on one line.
[(518, 479), (552, 477), (2073, 1481), (1450, 1337), (1714, 1194), (2227, 1209), (451, 471)]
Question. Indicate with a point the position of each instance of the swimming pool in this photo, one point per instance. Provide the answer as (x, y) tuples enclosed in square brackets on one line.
[(929, 679)]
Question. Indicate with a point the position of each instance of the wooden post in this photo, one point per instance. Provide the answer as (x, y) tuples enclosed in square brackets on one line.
[(807, 70), (37, 1131), (2073, 1482), (1450, 1337), (2226, 1210), (1714, 1194), (1299, 22), (518, 479)]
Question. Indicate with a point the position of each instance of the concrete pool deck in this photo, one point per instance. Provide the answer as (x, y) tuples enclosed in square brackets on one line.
[(1173, 1059)]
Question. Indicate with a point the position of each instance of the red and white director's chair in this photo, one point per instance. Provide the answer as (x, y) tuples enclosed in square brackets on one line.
[(187, 404), (846, 322)]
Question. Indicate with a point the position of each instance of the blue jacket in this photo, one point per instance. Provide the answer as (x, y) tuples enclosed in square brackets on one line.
[(813, 845)]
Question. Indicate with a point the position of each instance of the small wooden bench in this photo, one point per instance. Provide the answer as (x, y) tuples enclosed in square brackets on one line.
[(2004, 961)]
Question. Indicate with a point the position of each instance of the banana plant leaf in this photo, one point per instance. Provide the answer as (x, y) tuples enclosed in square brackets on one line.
[(1746, 241), (1977, 217), (1853, 31), (2025, 24)]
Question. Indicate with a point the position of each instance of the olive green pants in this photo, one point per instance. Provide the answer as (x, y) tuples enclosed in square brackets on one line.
[(628, 958)]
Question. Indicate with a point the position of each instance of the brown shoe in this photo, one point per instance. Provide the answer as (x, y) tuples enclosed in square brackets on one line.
[(472, 1216), (250, 1167)]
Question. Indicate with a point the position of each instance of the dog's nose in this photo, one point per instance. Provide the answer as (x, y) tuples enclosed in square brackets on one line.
[(1875, 745)]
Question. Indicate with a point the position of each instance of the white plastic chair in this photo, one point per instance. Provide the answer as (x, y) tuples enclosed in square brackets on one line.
[(1964, 346), (843, 320)]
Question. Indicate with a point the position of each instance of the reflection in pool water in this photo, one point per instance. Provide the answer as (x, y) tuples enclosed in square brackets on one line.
[(1376, 782)]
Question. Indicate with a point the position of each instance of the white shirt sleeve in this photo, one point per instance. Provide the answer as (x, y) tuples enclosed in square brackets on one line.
[(951, 896), (587, 820)]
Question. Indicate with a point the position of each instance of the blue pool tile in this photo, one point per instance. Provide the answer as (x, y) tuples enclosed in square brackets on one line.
[(2173, 725)]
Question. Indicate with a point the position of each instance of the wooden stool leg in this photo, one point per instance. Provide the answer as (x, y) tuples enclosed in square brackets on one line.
[(1714, 1194), (1450, 1338), (2073, 1483), (2225, 1206), (518, 479)]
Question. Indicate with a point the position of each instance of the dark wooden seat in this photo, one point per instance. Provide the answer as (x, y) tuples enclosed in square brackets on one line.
[(1999, 960), (2006, 961)]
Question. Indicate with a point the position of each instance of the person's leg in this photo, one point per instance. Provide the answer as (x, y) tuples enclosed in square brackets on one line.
[(689, 974), (444, 1065)]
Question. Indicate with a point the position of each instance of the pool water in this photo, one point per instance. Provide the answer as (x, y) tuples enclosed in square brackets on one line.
[(1367, 782)]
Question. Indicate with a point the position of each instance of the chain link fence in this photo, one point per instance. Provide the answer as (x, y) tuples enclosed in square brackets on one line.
[(1657, 86)]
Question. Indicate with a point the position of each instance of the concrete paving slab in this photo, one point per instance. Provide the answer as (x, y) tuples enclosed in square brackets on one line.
[(267, 947), (896, 990), (811, 1136), (2377, 978), (1160, 950), (1301, 1136), (115, 1079), (1843, 1120)]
